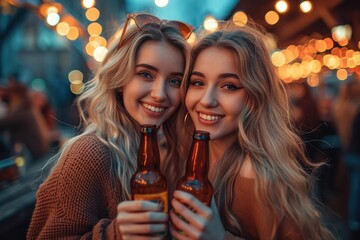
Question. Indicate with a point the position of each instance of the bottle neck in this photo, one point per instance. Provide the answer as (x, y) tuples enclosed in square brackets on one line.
[(198, 161), (148, 154)]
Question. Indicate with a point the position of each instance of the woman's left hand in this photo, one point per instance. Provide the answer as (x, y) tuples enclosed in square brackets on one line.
[(197, 220)]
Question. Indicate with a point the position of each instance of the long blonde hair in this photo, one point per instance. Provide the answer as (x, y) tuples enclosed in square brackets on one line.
[(265, 132), (101, 107)]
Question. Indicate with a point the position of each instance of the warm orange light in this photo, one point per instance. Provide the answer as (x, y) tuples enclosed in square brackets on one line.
[(94, 29), (341, 74), (77, 88), (62, 28), (313, 80), (351, 62), (329, 43), (240, 18), (192, 39), (278, 59), (73, 33), (320, 45), (75, 75), (92, 14), (272, 17), (315, 66), (343, 42), (99, 39), (90, 48)]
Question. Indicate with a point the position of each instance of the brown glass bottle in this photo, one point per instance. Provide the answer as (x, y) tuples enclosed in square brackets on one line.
[(148, 183), (195, 180)]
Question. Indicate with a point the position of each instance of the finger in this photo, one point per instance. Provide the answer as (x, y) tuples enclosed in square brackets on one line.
[(139, 206), (178, 236), (188, 214), (195, 204), (213, 205), (139, 237), (183, 226), (142, 217), (142, 228)]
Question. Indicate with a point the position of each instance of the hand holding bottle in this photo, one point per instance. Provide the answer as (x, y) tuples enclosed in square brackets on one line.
[(141, 219), (192, 219)]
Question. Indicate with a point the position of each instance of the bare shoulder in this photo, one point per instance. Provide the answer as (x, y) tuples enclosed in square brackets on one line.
[(247, 169)]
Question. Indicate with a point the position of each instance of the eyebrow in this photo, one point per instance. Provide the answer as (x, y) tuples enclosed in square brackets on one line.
[(223, 75), (144, 65), (147, 66)]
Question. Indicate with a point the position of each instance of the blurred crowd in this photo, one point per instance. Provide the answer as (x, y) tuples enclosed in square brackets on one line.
[(27, 122), (329, 122)]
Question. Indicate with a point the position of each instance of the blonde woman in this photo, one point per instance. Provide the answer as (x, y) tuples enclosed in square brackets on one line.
[(257, 161), (87, 193)]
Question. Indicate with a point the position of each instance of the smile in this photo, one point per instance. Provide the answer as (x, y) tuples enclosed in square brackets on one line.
[(153, 108), (210, 117)]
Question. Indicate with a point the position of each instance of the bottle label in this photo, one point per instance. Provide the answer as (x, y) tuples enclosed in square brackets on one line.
[(161, 198)]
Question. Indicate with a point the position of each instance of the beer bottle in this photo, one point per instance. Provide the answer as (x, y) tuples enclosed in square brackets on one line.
[(195, 180), (148, 183)]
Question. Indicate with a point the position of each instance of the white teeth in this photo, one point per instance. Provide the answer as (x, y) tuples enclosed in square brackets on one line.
[(209, 117), (153, 108)]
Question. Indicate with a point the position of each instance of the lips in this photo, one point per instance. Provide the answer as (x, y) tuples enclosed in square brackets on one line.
[(152, 108)]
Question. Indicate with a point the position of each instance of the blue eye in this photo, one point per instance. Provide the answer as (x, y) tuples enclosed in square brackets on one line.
[(145, 75), (175, 82), (196, 83), (230, 86)]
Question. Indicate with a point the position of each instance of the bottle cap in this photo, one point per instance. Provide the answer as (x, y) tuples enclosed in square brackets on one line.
[(201, 135), (148, 128)]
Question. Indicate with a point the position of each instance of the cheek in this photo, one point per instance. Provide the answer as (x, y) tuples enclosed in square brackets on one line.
[(190, 99), (174, 96), (235, 107)]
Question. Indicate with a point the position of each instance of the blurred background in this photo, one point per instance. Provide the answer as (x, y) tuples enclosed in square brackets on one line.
[(49, 49)]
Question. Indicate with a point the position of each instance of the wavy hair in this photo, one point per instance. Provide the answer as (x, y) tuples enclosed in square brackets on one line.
[(101, 107), (266, 134)]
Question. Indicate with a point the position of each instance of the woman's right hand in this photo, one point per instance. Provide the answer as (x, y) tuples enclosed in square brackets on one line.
[(141, 219)]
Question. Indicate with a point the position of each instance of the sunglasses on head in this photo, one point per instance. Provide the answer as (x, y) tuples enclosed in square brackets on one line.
[(143, 19)]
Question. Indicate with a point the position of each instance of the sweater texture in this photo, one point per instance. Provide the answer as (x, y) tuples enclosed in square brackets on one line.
[(79, 198)]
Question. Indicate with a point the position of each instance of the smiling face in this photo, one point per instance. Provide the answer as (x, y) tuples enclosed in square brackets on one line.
[(215, 95), (152, 94)]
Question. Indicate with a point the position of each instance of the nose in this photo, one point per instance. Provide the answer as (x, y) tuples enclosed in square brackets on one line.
[(209, 98), (158, 91)]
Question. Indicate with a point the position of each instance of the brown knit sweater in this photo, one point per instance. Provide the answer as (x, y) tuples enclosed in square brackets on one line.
[(79, 199)]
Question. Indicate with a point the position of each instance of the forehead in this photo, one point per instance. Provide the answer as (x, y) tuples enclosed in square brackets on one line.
[(160, 52), (215, 59)]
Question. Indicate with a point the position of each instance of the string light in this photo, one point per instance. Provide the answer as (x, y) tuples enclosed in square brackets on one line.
[(161, 3), (210, 23), (272, 17), (306, 6), (281, 6)]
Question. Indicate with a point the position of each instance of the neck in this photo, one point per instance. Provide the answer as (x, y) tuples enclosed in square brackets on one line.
[(217, 149)]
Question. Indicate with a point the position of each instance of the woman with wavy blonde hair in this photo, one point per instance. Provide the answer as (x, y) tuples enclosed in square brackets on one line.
[(257, 162), (87, 192)]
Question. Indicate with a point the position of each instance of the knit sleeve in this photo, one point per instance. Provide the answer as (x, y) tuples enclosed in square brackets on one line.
[(79, 198)]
